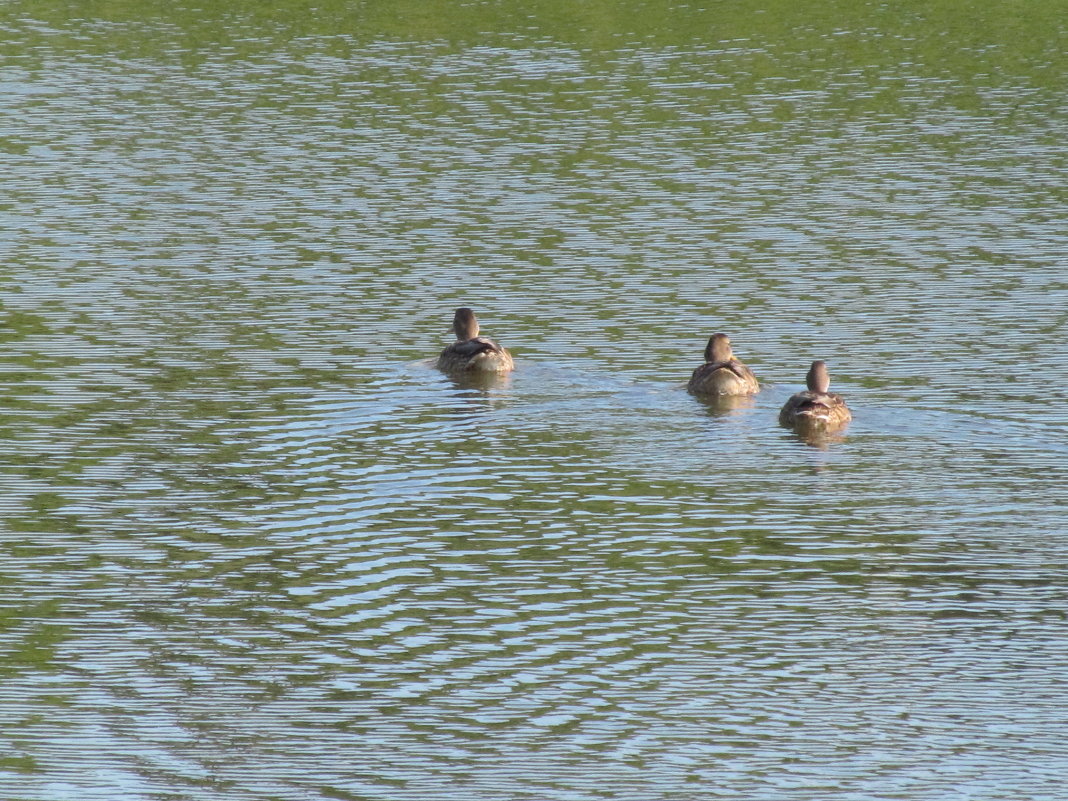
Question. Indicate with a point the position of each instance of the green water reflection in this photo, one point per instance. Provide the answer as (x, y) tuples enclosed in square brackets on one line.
[(255, 546)]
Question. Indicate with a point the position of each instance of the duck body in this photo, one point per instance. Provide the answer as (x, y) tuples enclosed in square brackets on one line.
[(722, 374), (822, 409), (472, 353), (724, 378), (817, 407), (477, 354)]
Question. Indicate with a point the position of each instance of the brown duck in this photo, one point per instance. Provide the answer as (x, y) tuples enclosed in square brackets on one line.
[(816, 407), (472, 353), (722, 374)]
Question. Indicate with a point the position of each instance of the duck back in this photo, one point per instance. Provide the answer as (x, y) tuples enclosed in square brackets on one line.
[(724, 378), (476, 354)]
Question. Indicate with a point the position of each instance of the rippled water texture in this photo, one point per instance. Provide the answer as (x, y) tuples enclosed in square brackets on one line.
[(256, 547)]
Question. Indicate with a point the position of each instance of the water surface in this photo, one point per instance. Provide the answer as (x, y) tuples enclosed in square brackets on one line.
[(256, 546)]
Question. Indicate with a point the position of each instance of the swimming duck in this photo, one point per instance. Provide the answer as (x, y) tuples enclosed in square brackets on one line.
[(470, 352), (816, 407), (722, 374)]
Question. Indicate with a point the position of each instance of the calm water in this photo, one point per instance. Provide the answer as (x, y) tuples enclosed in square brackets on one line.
[(255, 547)]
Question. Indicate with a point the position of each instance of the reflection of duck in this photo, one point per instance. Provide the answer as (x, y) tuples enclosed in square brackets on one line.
[(470, 352), (722, 374), (727, 405), (816, 407)]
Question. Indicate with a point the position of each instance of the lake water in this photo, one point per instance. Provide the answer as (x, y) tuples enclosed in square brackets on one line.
[(256, 547)]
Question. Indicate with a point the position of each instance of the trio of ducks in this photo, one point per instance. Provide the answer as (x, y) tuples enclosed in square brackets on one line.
[(817, 408)]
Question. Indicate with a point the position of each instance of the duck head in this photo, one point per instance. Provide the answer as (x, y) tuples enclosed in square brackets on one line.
[(465, 324), (718, 349), (818, 379)]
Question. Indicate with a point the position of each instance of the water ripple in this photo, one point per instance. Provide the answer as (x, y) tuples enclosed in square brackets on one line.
[(246, 517)]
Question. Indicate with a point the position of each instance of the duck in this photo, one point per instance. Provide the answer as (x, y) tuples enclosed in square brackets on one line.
[(722, 374), (470, 352), (816, 407)]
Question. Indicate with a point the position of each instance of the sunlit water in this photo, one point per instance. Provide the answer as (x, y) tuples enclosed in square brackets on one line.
[(257, 547)]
